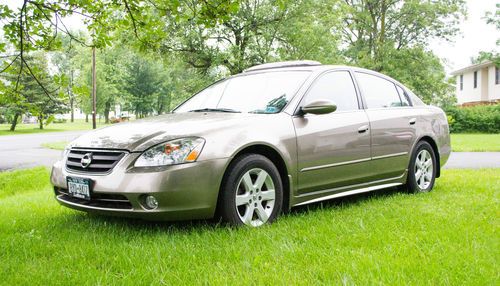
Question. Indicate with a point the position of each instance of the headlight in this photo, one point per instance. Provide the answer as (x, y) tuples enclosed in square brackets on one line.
[(66, 151), (172, 152)]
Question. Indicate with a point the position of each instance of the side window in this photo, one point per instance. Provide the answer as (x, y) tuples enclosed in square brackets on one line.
[(378, 92), (336, 86), (405, 100)]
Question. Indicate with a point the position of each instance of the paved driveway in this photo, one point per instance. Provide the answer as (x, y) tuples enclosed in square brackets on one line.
[(474, 160), (24, 151)]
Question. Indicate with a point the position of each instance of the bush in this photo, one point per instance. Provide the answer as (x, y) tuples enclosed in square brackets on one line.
[(114, 120), (60, 120), (481, 118)]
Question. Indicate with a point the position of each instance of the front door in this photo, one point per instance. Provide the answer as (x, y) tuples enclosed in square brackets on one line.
[(333, 149)]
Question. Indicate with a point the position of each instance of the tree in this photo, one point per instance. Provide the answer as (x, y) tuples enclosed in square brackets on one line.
[(35, 25), (108, 77), (257, 32), (390, 36), (494, 56), (65, 62), (26, 93), (144, 86)]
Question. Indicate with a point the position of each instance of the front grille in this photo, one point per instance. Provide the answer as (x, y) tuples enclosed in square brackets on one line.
[(109, 201), (103, 161)]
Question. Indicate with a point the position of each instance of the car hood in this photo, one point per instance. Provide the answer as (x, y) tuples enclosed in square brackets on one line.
[(141, 134)]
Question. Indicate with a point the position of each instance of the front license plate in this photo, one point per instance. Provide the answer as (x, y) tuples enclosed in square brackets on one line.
[(79, 187)]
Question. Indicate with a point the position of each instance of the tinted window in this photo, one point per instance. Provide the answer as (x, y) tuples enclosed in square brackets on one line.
[(405, 100), (378, 92), (337, 87)]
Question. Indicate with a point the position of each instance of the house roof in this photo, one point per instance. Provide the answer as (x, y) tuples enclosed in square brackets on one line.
[(472, 67)]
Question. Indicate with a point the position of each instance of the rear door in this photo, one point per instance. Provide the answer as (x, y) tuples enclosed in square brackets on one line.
[(392, 124), (333, 149)]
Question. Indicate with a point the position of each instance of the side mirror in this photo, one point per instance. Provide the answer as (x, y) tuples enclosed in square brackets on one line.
[(319, 107)]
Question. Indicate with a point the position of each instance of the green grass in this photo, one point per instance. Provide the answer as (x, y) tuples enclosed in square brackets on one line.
[(448, 236), (59, 145), (53, 127), (475, 142)]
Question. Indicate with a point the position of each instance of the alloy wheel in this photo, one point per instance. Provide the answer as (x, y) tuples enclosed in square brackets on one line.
[(423, 169), (255, 197)]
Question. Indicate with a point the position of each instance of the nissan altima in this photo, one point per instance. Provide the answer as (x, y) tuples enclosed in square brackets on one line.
[(249, 147)]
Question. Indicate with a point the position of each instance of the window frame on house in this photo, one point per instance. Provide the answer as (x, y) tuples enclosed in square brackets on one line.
[(461, 82), (497, 75), (475, 79)]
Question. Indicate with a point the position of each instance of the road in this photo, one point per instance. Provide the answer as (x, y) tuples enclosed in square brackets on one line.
[(25, 151)]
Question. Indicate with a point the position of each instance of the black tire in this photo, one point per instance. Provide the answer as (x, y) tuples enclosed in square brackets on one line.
[(412, 185), (228, 210)]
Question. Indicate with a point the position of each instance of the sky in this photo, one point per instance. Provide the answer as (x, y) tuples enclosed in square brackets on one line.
[(475, 35)]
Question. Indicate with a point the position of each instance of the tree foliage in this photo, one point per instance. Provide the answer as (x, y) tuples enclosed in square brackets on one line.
[(152, 54), (257, 32), (391, 36), (36, 24), (28, 95), (492, 18)]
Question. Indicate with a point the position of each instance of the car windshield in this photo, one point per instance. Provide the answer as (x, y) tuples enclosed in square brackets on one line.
[(265, 92)]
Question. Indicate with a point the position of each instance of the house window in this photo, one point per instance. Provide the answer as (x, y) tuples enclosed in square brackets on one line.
[(475, 79), (461, 82), (497, 75)]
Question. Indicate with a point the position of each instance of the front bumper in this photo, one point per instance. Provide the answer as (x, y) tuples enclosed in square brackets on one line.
[(185, 191)]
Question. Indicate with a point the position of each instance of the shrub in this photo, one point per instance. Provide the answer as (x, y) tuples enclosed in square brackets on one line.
[(481, 118), (60, 120), (114, 120)]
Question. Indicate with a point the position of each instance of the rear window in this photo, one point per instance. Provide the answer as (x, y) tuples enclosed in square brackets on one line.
[(378, 92), (405, 98)]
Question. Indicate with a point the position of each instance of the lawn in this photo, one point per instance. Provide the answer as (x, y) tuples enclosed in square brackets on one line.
[(58, 145), (449, 236), (475, 142), (53, 127)]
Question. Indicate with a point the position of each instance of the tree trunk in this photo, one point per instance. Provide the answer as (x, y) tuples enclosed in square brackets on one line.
[(160, 105), (40, 121), (87, 117), (14, 122), (107, 107), (71, 104), (71, 97)]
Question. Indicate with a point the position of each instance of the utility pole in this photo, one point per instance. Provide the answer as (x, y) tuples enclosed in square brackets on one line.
[(93, 90)]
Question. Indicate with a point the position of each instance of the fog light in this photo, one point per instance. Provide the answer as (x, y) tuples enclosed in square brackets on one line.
[(151, 202)]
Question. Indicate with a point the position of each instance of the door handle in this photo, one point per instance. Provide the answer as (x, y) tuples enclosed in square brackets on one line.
[(363, 129), (412, 121)]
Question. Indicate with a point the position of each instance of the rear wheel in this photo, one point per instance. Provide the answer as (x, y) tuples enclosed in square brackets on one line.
[(422, 169), (252, 193)]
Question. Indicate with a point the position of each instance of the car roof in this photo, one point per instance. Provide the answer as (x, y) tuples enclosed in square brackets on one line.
[(313, 66), (305, 65)]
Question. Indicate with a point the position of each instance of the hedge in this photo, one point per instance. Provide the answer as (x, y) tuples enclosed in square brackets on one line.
[(480, 118)]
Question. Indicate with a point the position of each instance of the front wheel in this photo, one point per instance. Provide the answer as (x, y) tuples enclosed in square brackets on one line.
[(252, 193), (422, 169)]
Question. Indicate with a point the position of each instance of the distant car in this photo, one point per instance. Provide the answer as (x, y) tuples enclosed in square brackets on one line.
[(249, 147)]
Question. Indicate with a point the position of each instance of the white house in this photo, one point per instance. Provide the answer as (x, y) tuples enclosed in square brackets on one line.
[(479, 83)]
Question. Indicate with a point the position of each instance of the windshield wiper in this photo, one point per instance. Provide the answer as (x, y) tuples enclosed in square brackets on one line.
[(215, 110)]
